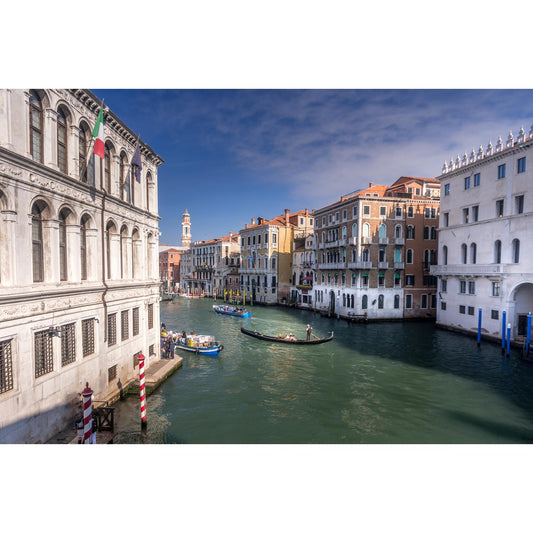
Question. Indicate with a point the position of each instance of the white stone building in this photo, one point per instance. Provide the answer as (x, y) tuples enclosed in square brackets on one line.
[(485, 224), (79, 296)]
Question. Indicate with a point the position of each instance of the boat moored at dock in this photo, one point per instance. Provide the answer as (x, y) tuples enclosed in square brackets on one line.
[(201, 344), (232, 310)]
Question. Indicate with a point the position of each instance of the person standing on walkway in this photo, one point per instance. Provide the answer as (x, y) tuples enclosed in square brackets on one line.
[(308, 330)]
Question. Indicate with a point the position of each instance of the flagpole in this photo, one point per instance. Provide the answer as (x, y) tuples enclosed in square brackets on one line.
[(91, 144)]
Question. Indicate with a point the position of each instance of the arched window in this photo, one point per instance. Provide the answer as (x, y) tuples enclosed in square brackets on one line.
[(344, 232), (37, 243), (148, 203), (409, 256), (63, 244), (498, 252), (396, 301), (410, 232), (364, 303), (62, 140), (382, 231), (516, 251), (433, 232), (124, 185), (107, 166), (36, 127), (365, 256), (381, 255), (397, 255), (86, 170), (109, 231), (354, 229), (84, 224), (381, 300), (473, 253), (366, 229), (444, 255), (463, 253), (398, 231)]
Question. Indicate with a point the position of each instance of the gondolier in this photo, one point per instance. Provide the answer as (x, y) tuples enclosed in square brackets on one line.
[(308, 330)]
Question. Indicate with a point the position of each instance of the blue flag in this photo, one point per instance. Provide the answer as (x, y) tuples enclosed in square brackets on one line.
[(136, 162)]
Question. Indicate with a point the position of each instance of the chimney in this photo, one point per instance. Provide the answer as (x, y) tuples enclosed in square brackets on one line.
[(306, 211), (253, 221), (246, 226), (287, 211), (370, 184)]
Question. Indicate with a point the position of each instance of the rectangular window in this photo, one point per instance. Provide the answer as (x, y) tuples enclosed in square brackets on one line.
[(443, 306), (354, 210), (135, 321), (112, 329), (44, 356), (323, 221), (494, 314), (410, 212), (519, 204), (408, 301), (447, 189), (424, 301), (6, 366), (124, 324), (409, 280), (150, 316), (446, 219), (501, 171), (499, 208), (366, 210), (87, 336), (433, 301), (465, 215), (467, 182), (495, 288), (462, 309), (471, 287), (470, 310), (68, 344), (462, 287), (444, 285), (521, 165), (111, 373), (151, 350), (383, 210), (398, 212), (475, 213), (477, 180)]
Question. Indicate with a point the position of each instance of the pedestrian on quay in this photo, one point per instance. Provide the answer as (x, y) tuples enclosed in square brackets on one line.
[(308, 330)]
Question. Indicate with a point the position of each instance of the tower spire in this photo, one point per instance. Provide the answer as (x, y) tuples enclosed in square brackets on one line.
[(186, 229)]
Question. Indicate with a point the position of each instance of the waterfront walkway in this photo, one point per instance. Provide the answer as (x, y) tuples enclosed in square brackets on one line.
[(154, 375)]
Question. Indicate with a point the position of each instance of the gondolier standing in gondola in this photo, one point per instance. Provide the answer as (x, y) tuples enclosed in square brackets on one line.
[(308, 330)]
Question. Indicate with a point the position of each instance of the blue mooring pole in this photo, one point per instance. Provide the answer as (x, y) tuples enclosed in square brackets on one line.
[(528, 338), (479, 327), (508, 339), (503, 331)]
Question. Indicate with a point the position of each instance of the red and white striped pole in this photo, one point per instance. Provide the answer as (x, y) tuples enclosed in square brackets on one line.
[(87, 414), (142, 390)]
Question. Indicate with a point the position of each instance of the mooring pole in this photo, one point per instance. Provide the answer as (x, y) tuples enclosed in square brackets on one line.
[(528, 338), (87, 414), (479, 327), (508, 339), (142, 391), (503, 331)]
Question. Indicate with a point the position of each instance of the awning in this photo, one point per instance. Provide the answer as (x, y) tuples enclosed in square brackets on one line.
[(307, 278)]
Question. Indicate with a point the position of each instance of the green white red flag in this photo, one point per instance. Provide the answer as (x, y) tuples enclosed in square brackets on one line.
[(98, 134)]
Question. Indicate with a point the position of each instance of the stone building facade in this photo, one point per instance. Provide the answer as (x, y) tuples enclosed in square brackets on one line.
[(485, 223), (374, 249), (79, 296)]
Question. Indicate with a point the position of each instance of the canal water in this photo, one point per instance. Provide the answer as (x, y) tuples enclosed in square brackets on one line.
[(386, 383)]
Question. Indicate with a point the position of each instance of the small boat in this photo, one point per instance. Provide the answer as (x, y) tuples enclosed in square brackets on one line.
[(264, 337), (231, 310), (204, 344)]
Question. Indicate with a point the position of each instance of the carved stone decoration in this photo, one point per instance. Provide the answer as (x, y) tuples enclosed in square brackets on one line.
[(531, 131), (521, 135), (499, 144), (445, 168), (8, 169), (490, 149), (452, 164), (472, 156), (480, 153), (510, 140), (464, 161)]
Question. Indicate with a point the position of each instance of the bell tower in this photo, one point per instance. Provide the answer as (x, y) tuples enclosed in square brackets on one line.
[(186, 229)]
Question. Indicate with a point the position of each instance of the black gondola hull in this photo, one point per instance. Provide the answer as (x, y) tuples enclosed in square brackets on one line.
[(263, 337)]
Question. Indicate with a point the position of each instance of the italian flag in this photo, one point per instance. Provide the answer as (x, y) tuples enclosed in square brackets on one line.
[(98, 134)]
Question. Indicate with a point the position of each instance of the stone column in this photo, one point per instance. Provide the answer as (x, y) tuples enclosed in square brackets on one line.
[(73, 152), (50, 138), (115, 256), (73, 254), (51, 250), (115, 176), (137, 253), (8, 271), (94, 258)]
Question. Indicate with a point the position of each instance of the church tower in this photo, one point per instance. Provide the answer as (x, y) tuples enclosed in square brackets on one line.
[(186, 230)]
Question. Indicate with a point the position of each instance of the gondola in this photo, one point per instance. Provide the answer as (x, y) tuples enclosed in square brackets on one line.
[(264, 337), (230, 310)]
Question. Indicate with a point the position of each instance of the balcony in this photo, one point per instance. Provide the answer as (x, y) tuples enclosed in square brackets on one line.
[(383, 265), (321, 245), (352, 241), (366, 240), (360, 265), (399, 265), (332, 244), (383, 240), (399, 240), (332, 266), (341, 242), (467, 270)]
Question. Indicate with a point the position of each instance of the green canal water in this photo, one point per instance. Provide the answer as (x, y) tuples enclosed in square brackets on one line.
[(386, 383)]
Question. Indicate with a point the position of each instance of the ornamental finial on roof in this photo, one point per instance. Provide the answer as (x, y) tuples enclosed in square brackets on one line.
[(465, 160), (499, 144), (451, 165), (521, 135), (445, 168), (531, 131), (510, 140), (472, 156), (490, 149), (457, 161), (480, 153)]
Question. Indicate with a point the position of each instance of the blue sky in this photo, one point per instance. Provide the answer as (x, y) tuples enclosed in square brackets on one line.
[(231, 155)]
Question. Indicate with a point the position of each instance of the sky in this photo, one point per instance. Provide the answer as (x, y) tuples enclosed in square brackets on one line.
[(232, 154)]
